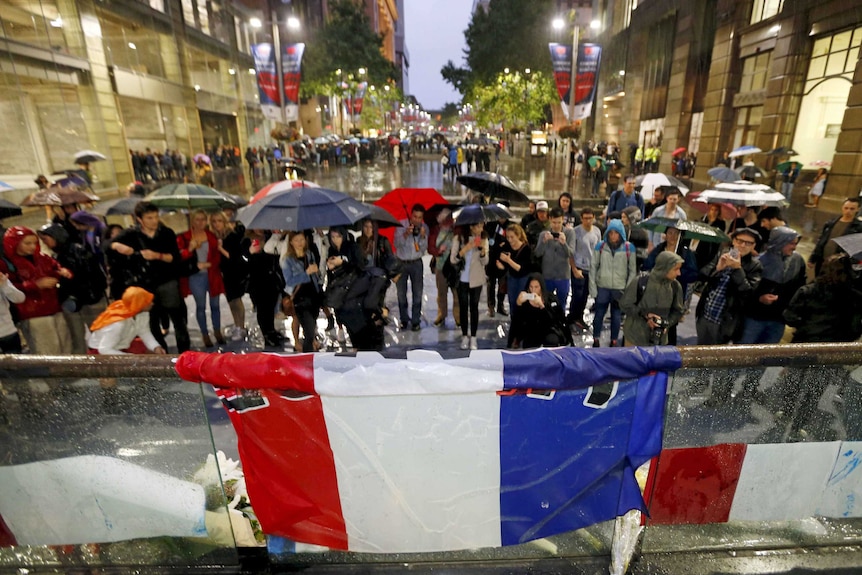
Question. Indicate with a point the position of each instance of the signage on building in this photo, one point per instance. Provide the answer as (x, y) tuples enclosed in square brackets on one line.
[(267, 81), (291, 63)]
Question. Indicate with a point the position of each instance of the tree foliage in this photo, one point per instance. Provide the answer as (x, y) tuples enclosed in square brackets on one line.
[(513, 99), (346, 42), (511, 34)]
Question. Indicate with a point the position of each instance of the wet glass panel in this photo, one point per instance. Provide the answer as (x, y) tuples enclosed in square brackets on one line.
[(128, 463), (759, 458), (852, 59), (857, 37)]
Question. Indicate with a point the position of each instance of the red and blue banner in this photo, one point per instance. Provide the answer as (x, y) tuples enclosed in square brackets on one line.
[(358, 98), (586, 81), (291, 68), (380, 455), (268, 86)]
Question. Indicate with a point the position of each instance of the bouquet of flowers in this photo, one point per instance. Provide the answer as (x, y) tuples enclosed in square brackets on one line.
[(244, 524)]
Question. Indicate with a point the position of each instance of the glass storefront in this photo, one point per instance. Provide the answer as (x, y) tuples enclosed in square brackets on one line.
[(827, 87)]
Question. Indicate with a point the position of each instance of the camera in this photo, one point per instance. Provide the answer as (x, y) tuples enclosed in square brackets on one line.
[(555, 235), (658, 331), (416, 231), (529, 296), (734, 253)]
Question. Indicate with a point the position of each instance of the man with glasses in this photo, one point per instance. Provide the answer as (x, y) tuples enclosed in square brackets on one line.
[(730, 279)]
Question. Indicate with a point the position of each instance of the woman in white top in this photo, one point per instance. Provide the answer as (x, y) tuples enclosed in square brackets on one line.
[(115, 330), (470, 246)]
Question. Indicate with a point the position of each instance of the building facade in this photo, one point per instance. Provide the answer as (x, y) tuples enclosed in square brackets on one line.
[(121, 75), (715, 75)]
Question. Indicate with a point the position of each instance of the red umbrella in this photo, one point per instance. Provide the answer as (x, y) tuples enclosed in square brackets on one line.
[(280, 186), (400, 201), (728, 211), (678, 151)]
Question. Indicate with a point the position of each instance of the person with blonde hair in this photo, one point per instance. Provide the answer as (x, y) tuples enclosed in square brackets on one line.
[(234, 268), (199, 251)]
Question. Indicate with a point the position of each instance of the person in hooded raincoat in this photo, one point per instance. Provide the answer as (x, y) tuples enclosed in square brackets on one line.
[(661, 300), (613, 268)]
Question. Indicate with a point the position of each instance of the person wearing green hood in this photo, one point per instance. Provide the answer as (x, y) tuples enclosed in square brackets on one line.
[(652, 309)]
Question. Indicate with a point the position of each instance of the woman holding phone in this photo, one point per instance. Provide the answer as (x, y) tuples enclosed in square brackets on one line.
[(516, 262), (470, 246), (540, 320)]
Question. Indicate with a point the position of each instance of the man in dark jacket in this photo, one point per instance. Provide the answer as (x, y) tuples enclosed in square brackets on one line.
[(730, 279), (153, 258), (847, 224)]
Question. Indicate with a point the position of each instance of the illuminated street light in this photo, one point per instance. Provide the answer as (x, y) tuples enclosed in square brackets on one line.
[(255, 22), (361, 71), (559, 23), (293, 23), (595, 24), (505, 70), (527, 71)]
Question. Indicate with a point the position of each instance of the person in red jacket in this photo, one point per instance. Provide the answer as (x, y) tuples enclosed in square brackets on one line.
[(38, 276), (201, 243)]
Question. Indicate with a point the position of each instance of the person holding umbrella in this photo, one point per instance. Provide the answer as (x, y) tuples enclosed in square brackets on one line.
[(470, 248)]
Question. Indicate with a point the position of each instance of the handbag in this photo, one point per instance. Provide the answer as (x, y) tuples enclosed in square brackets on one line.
[(189, 266), (338, 287), (452, 272)]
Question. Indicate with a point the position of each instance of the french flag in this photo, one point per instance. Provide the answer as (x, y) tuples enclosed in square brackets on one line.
[(385, 455)]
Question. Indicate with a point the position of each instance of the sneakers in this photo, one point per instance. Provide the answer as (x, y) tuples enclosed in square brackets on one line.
[(474, 342), (465, 342)]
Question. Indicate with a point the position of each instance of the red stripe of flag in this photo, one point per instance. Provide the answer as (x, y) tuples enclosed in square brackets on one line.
[(694, 485), (267, 371)]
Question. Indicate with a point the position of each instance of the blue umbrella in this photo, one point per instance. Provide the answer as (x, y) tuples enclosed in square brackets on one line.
[(363, 141), (303, 208), (722, 174), (744, 151)]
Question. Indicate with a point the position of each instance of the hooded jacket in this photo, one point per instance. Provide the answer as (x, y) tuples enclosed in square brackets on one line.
[(660, 297), (27, 269), (612, 268), (782, 275)]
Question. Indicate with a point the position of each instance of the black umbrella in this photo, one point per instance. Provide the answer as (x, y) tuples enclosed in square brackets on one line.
[(494, 185), (434, 211), (116, 207), (383, 218), (480, 213), (751, 172), (782, 151), (8, 209), (303, 208), (852, 244)]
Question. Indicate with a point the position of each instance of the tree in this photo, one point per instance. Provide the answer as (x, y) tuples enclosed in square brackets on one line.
[(515, 99), (509, 34), (346, 42)]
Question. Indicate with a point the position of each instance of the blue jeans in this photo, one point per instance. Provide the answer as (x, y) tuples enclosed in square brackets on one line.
[(605, 299), (199, 286), (580, 293), (761, 331), (514, 286), (787, 189), (561, 289), (412, 270)]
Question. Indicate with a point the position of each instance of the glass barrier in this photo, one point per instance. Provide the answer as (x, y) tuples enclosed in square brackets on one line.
[(116, 472), (758, 458), (754, 458)]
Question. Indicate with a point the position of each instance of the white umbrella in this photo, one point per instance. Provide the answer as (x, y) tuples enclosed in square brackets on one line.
[(743, 186), (649, 182), (321, 140), (743, 198), (4, 187), (88, 157)]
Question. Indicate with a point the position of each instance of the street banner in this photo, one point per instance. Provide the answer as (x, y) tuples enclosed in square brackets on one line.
[(561, 60), (358, 98), (423, 454), (586, 82), (589, 57), (267, 81), (291, 65)]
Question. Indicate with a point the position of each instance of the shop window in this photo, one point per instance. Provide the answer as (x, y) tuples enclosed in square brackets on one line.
[(40, 24), (746, 125), (755, 70), (827, 87), (764, 9)]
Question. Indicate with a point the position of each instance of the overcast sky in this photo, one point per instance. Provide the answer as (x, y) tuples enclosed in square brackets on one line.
[(434, 32)]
